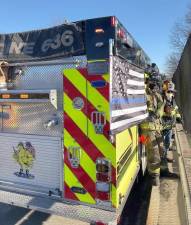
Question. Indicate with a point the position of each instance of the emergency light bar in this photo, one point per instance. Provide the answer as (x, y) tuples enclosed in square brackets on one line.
[(25, 96)]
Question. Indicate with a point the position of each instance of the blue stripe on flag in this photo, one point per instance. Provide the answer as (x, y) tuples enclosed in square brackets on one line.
[(128, 100)]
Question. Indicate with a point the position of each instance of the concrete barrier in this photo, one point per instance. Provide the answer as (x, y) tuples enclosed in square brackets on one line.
[(182, 80), (184, 160)]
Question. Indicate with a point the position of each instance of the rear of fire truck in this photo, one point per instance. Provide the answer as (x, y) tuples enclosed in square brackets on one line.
[(70, 108)]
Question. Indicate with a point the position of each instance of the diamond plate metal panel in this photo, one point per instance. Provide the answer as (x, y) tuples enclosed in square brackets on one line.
[(45, 76), (70, 210), (31, 118)]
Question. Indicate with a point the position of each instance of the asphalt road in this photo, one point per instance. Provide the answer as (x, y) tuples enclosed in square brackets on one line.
[(135, 211), (12, 215)]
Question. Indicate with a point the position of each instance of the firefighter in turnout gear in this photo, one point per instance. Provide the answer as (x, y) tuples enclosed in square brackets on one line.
[(170, 117), (169, 98), (151, 128), (168, 122)]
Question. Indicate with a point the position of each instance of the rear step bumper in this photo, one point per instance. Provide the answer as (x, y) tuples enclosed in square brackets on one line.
[(52, 206)]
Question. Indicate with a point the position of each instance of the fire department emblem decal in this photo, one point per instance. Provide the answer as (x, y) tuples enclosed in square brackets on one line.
[(24, 155), (78, 103)]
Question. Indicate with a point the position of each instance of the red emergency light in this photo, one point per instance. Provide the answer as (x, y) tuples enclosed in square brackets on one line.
[(113, 21)]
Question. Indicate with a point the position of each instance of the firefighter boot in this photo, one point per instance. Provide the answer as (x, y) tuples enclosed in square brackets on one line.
[(27, 173), (156, 178), (21, 172), (168, 174)]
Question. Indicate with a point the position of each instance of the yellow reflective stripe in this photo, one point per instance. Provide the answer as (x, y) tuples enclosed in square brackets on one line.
[(71, 179), (113, 195), (106, 77), (85, 162), (77, 80), (99, 140), (97, 60), (96, 99)]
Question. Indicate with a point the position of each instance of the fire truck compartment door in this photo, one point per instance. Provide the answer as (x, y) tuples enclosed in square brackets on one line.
[(31, 162)]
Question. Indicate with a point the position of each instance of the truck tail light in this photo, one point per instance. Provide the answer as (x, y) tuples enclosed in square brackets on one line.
[(103, 191), (104, 196), (103, 179)]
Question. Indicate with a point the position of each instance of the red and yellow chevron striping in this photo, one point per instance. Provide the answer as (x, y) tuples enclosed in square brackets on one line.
[(72, 92), (69, 194), (103, 91), (85, 143), (83, 177), (79, 132)]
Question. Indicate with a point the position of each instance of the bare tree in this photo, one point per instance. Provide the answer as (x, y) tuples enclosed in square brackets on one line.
[(178, 37), (172, 63), (188, 16)]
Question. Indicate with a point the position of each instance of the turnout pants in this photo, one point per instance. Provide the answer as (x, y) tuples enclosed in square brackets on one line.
[(153, 148)]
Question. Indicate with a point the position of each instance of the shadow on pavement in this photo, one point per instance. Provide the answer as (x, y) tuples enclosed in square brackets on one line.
[(135, 210)]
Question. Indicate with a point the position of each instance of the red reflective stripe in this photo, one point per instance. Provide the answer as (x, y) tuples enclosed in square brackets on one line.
[(82, 176), (103, 91), (72, 92), (68, 193), (85, 142)]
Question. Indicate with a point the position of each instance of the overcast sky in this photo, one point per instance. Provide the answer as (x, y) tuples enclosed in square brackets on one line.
[(149, 21)]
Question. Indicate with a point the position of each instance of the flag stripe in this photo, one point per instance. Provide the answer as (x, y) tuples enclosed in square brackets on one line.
[(128, 121), (134, 87), (128, 116), (136, 92), (136, 74), (135, 78), (134, 82), (128, 110)]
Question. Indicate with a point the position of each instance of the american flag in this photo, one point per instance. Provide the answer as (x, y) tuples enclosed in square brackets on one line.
[(128, 100)]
